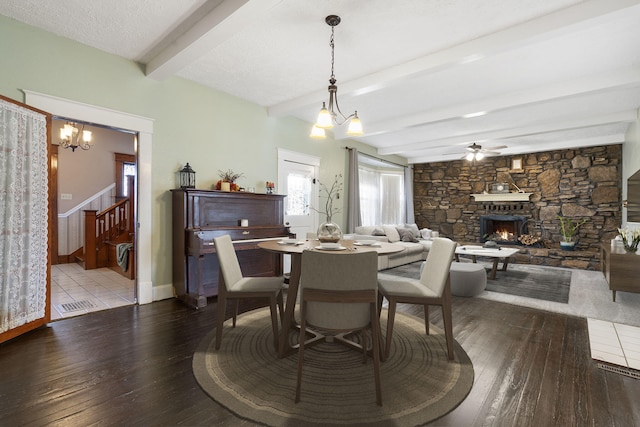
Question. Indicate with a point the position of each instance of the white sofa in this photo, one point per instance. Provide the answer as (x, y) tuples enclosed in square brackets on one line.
[(416, 248)]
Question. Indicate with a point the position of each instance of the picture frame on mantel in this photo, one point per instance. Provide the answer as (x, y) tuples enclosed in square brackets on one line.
[(516, 164)]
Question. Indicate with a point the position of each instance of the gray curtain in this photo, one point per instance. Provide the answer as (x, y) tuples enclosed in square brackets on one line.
[(408, 192), (24, 208), (353, 210)]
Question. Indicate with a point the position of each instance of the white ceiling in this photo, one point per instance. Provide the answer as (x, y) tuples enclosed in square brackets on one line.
[(549, 74)]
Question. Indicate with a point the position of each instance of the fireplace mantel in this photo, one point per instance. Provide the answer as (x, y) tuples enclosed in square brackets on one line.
[(502, 197)]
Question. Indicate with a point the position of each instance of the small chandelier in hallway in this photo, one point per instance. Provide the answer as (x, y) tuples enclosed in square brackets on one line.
[(332, 114), (70, 137)]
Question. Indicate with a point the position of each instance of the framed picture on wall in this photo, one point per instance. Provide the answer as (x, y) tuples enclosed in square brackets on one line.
[(516, 164)]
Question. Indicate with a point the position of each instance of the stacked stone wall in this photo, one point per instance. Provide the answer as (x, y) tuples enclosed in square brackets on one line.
[(577, 183)]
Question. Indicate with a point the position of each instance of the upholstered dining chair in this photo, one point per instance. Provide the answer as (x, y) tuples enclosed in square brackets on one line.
[(233, 286), (432, 288), (338, 294)]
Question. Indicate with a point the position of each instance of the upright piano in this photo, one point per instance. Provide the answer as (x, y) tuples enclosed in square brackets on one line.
[(201, 215)]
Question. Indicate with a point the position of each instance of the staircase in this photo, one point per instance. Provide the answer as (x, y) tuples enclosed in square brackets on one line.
[(104, 234)]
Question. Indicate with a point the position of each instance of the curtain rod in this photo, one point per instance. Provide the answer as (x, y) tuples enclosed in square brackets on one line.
[(378, 158)]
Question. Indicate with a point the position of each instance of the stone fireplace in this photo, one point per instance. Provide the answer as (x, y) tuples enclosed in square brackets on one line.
[(578, 183), (503, 229)]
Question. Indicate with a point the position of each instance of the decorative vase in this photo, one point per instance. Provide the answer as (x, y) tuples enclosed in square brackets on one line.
[(631, 248), (329, 232), (225, 186), (567, 246)]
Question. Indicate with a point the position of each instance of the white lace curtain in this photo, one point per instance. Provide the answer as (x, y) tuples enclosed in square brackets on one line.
[(23, 215)]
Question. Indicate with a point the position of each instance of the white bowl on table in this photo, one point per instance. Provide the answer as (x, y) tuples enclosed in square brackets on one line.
[(366, 242), (329, 245), (288, 242)]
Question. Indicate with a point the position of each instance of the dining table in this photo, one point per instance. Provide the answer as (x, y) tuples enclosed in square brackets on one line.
[(295, 248)]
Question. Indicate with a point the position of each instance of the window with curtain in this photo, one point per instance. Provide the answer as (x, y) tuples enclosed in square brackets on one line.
[(382, 192)]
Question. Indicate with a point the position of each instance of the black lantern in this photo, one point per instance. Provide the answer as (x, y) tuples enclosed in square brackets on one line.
[(187, 177)]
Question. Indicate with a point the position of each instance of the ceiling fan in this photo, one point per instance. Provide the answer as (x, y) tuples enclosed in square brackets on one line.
[(476, 152)]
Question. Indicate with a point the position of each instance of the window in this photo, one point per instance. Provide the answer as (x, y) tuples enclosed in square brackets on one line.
[(129, 170), (382, 193), (125, 168), (299, 191)]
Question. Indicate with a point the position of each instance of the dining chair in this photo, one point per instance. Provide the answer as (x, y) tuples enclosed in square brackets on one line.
[(432, 288), (233, 286), (338, 294)]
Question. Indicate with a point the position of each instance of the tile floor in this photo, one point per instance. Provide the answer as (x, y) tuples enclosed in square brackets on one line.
[(615, 343), (75, 291)]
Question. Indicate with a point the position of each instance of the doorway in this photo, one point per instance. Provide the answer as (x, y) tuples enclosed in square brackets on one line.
[(143, 127), (88, 177), (297, 178)]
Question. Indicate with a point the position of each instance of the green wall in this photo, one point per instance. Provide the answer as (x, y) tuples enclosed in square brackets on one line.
[(209, 129)]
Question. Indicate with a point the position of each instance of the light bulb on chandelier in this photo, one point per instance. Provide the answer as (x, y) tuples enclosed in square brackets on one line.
[(332, 114), (70, 137)]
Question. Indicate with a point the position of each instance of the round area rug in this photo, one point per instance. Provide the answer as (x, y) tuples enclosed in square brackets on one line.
[(419, 383)]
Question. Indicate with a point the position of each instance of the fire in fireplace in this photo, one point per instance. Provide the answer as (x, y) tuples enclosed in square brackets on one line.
[(503, 229)]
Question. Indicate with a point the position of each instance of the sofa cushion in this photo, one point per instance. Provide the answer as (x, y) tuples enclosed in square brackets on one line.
[(364, 229), (414, 229), (391, 232), (406, 235), (369, 230)]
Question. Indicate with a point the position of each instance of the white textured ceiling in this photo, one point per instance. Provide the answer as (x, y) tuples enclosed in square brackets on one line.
[(549, 74)]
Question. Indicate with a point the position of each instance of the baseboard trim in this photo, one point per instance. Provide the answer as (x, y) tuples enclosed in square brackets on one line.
[(163, 292)]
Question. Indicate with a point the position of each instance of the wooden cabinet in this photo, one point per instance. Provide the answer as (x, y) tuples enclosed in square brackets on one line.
[(201, 215), (620, 268)]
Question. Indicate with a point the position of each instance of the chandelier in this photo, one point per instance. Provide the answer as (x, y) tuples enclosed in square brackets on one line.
[(328, 116), (70, 137)]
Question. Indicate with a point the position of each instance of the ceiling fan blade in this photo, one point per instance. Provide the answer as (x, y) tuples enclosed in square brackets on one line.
[(497, 147)]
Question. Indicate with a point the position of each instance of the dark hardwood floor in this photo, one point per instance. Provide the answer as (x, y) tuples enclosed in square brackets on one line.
[(132, 366)]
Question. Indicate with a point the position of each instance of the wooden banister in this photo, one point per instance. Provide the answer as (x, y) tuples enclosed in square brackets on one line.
[(114, 225)]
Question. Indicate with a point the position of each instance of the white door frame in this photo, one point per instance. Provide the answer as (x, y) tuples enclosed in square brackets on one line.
[(144, 127)]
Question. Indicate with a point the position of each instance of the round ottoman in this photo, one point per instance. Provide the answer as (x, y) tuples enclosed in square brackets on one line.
[(467, 279)]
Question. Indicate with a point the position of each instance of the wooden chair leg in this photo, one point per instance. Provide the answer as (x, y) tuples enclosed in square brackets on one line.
[(448, 322), (390, 320), (375, 348), (303, 326), (426, 318), (221, 311), (236, 302)]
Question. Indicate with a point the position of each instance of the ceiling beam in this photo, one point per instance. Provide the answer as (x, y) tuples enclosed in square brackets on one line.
[(629, 77), (496, 135), (215, 27), (567, 20)]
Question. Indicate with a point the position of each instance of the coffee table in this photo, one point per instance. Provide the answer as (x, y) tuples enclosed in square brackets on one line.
[(495, 253)]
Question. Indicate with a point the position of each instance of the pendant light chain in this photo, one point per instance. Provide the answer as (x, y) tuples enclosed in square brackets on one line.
[(328, 116), (332, 44)]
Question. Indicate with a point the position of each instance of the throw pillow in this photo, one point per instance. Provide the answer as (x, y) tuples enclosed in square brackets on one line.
[(365, 230), (414, 229), (378, 232), (425, 233), (391, 232), (406, 235)]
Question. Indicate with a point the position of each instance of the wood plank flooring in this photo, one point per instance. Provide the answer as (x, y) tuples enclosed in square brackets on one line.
[(132, 366)]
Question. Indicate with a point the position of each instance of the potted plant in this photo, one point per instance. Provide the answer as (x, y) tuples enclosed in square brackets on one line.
[(227, 180), (568, 229)]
